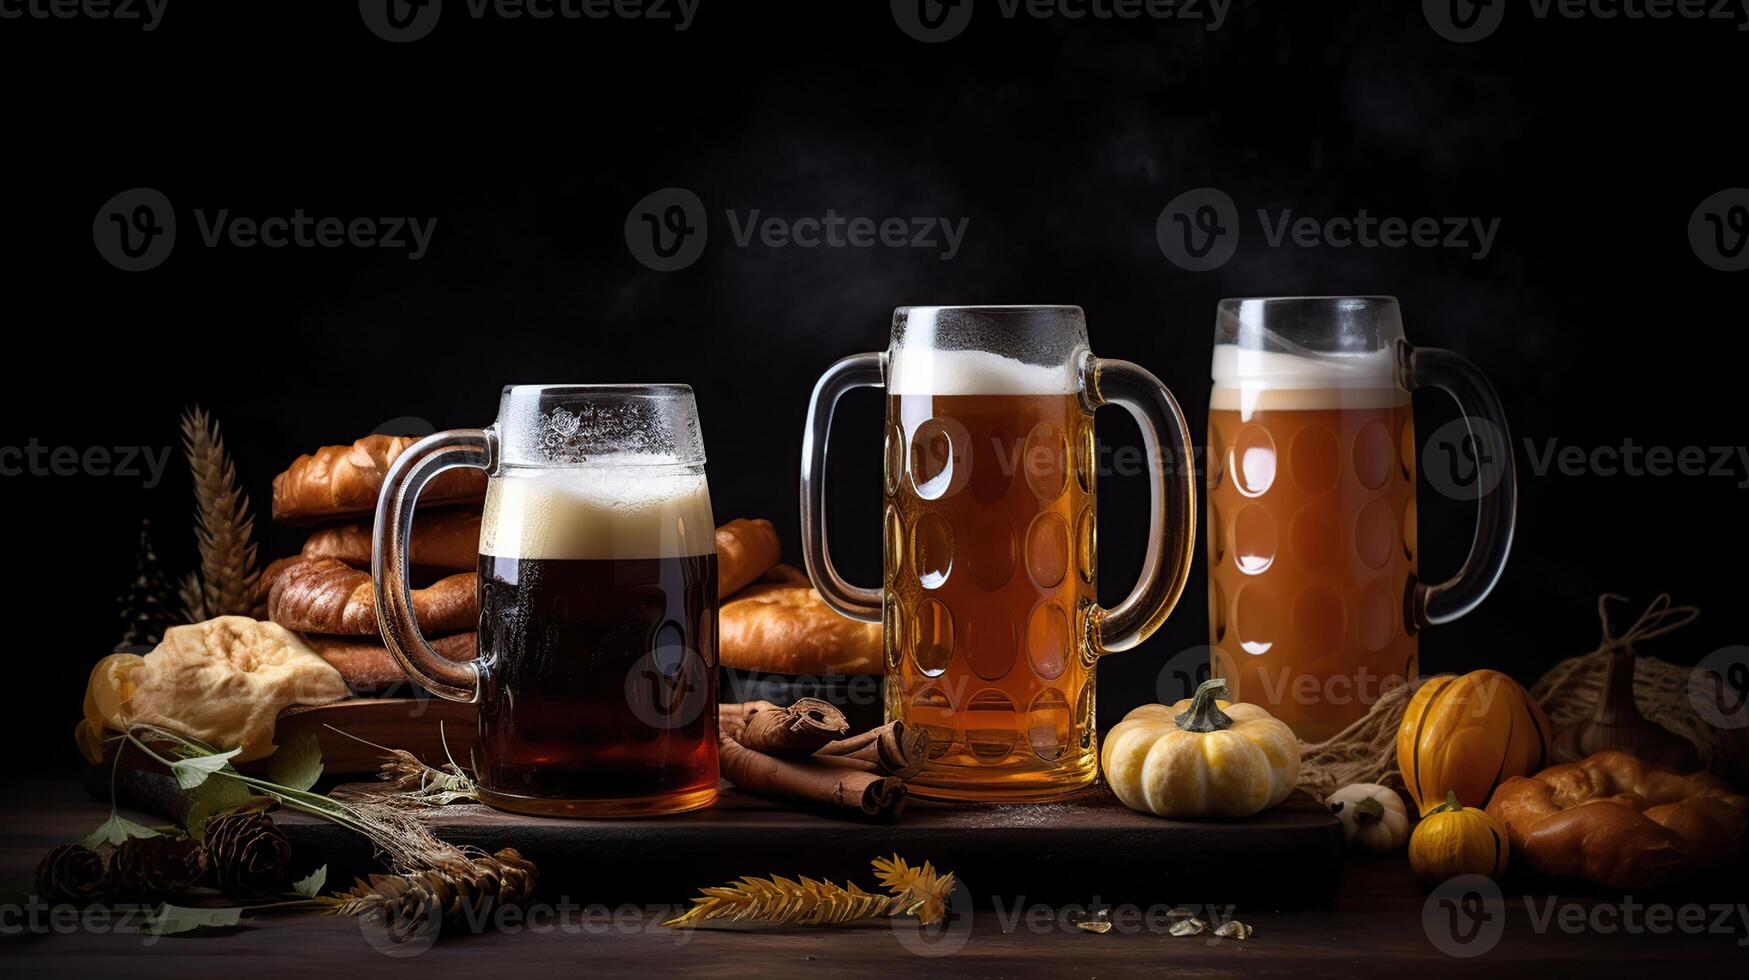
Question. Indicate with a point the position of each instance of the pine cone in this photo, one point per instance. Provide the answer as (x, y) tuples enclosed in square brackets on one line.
[(248, 854), (409, 906), (71, 874), (152, 869)]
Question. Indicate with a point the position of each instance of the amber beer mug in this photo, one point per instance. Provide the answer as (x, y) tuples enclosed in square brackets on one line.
[(989, 611), (596, 675), (1314, 599)]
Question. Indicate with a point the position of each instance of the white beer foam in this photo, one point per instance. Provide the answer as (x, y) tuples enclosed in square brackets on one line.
[(922, 371), (606, 509), (1253, 380)]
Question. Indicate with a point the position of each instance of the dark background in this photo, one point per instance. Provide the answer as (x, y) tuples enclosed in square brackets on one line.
[(529, 141)]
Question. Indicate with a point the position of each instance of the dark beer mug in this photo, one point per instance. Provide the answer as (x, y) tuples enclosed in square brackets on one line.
[(596, 674)]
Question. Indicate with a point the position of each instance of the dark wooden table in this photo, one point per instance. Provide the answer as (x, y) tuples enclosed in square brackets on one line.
[(1381, 924)]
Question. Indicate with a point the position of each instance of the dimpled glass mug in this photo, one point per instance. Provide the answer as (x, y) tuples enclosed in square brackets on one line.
[(596, 675), (1314, 599), (989, 611)]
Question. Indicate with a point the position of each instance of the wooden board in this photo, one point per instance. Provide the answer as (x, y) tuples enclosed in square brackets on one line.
[(1056, 852)]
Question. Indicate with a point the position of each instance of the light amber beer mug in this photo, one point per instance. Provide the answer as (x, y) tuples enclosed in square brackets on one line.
[(1314, 598), (989, 610)]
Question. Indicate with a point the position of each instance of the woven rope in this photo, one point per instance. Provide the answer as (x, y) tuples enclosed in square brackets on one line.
[(1366, 751)]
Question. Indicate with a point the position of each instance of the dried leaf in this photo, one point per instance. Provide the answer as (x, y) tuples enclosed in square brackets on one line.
[(115, 830), (169, 920), (297, 763), (193, 771), (312, 886)]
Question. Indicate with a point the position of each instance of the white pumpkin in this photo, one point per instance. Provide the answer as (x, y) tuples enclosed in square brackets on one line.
[(1372, 816), (1201, 757)]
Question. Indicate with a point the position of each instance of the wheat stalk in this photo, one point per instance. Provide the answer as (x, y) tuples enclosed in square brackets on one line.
[(224, 527), (804, 901)]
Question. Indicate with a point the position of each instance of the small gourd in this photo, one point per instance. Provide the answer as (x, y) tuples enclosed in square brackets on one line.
[(1453, 839), (1201, 757), (1372, 816)]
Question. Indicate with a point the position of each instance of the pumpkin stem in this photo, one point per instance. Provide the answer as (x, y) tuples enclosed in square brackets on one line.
[(1204, 715), (1368, 810), (1451, 805)]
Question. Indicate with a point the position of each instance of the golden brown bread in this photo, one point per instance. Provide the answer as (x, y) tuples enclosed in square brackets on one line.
[(789, 629), (369, 668), (1614, 820), (323, 595), (745, 550), (343, 481), (441, 539)]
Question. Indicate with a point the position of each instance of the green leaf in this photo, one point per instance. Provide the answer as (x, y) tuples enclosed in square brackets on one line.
[(190, 773), (311, 887), (169, 920), (297, 763), (117, 829), (211, 798)]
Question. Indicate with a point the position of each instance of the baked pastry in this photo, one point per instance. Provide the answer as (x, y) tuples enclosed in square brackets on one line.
[(343, 481), (789, 629), (745, 550), (1614, 820), (443, 539), (324, 595), (369, 668)]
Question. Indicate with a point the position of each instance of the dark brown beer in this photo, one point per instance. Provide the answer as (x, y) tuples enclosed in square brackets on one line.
[(598, 651)]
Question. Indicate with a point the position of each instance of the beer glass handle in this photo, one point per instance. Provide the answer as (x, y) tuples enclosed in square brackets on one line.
[(388, 556), (856, 371), (1172, 503), (1495, 477)]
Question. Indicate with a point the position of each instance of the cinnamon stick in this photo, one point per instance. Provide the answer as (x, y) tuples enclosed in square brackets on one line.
[(792, 732), (834, 787), (892, 749)]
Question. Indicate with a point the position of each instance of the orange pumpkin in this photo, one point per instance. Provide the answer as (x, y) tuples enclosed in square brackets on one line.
[(1467, 735)]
